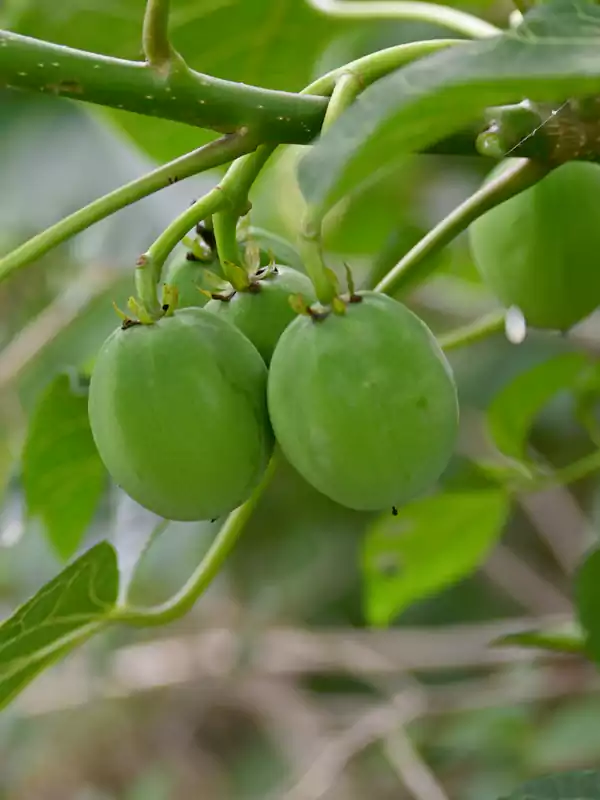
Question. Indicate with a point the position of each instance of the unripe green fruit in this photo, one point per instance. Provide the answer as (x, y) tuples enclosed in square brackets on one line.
[(265, 312), (186, 275), (538, 250), (178, 413), (364, 404)]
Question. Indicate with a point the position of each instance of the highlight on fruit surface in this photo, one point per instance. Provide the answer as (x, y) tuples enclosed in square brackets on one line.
[(537, 251), (179, 416), (264, 312), (363, 403)]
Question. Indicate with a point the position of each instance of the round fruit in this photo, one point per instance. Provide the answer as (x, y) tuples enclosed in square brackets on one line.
[(538, 250), (186, 275), (178, 413), (364, 404), (265, 312)]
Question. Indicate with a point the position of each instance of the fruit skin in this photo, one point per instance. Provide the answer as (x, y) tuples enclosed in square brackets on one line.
[(186, 276), (264, 314), (538, 250), (179, 416), (364, 405)]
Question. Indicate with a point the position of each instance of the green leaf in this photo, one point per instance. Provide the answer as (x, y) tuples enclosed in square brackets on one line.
[(430, 544), (63, 476), (514, 409), (579, 785), (67, 610), (587, 599), (257, 42), (551, 56)]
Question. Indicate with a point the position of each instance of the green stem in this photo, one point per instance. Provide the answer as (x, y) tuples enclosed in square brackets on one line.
[(347, 88), (377, 65), (415, 266), (473, 332), (155, 35), (579, 469), (209, 567), (159, 251), (211, 155), (231, 193), (183, 96), (230, 257), (235, 186), (450, 18)]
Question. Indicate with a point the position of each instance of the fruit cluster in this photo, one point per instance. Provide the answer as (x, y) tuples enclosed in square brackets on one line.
[(185, 411)]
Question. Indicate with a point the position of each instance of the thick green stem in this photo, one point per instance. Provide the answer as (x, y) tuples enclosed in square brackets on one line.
[(473, 332), (458, 21), (155, 35), (209, 567), (211, 155), (415, 266), (230, 257), (183, 96)]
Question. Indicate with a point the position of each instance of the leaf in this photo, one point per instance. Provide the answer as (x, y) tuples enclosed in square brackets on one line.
[(268, 44), (514, 409), (579, 785), (550, 56), (63, 476), (67, 610), (430, 544), (587, 599)]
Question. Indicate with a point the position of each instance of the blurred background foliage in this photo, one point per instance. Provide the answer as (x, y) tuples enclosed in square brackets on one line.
[(274, 686)]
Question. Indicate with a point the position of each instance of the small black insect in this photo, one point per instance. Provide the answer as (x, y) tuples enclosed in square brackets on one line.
[(165, 307), (394, 511)]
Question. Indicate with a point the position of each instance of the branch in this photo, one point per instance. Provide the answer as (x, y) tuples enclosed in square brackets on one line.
[(211, 155), (184, 96)]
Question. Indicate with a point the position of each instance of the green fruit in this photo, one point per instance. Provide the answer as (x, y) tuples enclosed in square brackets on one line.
[(178, 413), (364, 404), (538, 250), (265, 312), (186, 275)]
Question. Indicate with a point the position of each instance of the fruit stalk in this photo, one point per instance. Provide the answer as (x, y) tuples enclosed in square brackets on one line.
[(235, 187), (207, 570), (414, 267), (211, 155)]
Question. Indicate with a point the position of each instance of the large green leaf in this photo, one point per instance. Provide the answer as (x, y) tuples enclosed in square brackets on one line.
[(587, 597), (580, 785), (274, 45), (552, 55), (514, 409), (430, 544), (63, 613), (63, 476)]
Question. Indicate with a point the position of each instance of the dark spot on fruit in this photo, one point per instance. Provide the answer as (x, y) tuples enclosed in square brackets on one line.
[(356, 298), (129, 323), (254, 287), (387, 565), (423, 403), (394, 511)]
